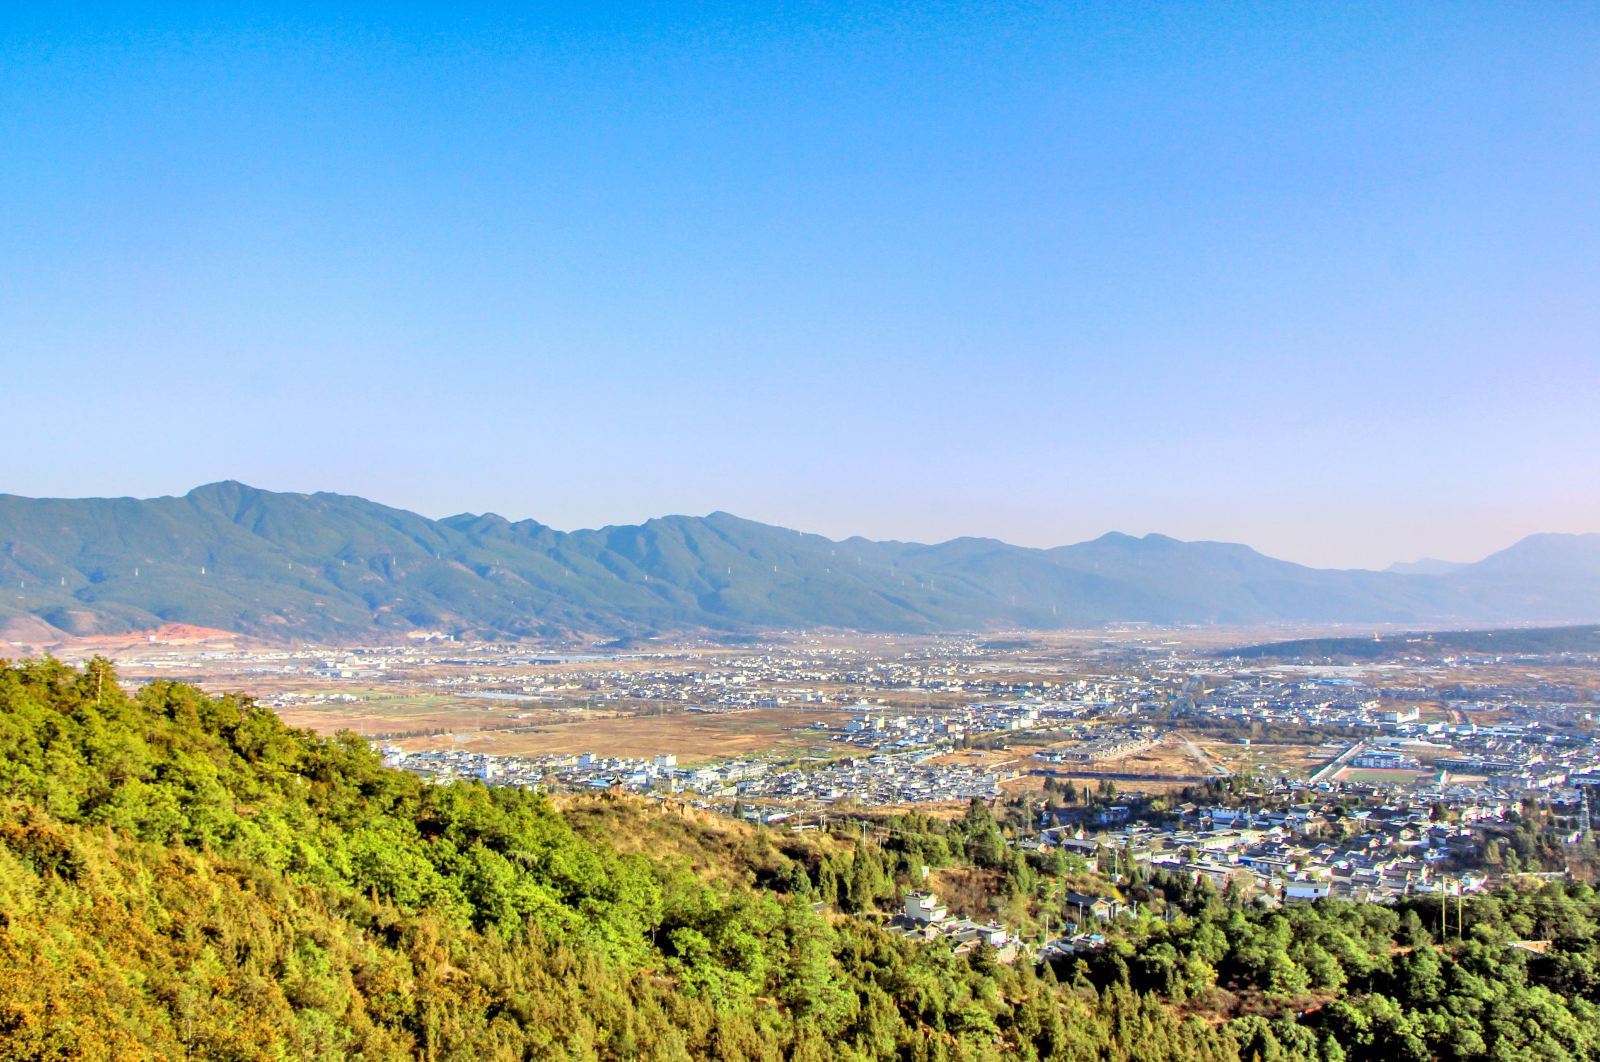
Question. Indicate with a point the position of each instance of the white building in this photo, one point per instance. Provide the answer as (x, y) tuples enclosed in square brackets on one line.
[(925, 907), (1307, 890)]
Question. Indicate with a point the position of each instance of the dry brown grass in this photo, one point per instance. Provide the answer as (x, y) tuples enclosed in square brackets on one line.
[(1169, 757), (1270, 759), (691, 736)]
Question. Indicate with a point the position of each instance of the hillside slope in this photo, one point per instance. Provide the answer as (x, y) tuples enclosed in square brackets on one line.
[(183, 876), (331, 567)]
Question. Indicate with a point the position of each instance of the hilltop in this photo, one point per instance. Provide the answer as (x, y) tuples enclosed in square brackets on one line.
[(330, 567)]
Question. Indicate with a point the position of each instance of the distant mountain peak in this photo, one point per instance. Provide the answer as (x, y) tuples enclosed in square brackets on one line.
[(228, 487)]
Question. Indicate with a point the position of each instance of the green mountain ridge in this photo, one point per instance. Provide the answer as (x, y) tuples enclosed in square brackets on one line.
[(330, 567)]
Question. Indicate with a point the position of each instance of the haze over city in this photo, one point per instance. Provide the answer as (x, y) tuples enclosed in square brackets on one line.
[(1318, 280)]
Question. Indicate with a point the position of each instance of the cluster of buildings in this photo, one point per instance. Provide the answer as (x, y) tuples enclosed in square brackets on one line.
[(1106, 745), (1300, 852), (1507, 738), (1392, 738), (873, 781), (881, 780), (582, 771), (943, 728), (923, 917)]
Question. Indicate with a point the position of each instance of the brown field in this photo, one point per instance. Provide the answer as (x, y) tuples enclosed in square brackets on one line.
[(1171, 756), (379, 712), (1292, 760), (691, 736), (992, 759)]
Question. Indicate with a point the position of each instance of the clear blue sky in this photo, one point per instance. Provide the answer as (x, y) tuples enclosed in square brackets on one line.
[(1321, 278)]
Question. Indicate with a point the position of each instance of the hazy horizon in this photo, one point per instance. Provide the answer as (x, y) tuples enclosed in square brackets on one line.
[(1320, 281)]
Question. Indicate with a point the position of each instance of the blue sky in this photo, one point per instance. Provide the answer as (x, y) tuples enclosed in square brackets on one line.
[(1320, 278)]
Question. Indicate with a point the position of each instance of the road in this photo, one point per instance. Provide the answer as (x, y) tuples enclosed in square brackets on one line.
[(1201, 756), (1336, 763)]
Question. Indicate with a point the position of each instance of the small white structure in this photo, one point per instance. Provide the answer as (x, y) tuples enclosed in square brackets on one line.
[(1307, 890), (925, 907)]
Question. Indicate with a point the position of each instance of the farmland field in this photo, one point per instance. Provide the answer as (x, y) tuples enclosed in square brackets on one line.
[(691, 736)]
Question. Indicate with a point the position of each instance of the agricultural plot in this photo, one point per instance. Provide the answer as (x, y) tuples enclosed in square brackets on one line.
[(1292, 761), (376, 713), (691, 736)]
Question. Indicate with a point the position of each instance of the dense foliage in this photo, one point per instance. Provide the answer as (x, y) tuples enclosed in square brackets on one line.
[(183, 876), (1367, 981)]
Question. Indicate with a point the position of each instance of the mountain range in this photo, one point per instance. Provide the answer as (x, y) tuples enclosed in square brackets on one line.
[(331, 567)]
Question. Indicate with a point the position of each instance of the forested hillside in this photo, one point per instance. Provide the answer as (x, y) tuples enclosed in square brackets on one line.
[(329, 567), (183, 876)]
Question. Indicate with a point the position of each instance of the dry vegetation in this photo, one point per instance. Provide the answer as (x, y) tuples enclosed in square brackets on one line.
[(691, 736)]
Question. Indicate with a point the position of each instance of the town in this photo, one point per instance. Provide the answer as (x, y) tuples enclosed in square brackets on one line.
[(1286, 780)]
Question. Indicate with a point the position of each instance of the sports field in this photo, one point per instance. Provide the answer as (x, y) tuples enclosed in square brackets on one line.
[(1374, 776)]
